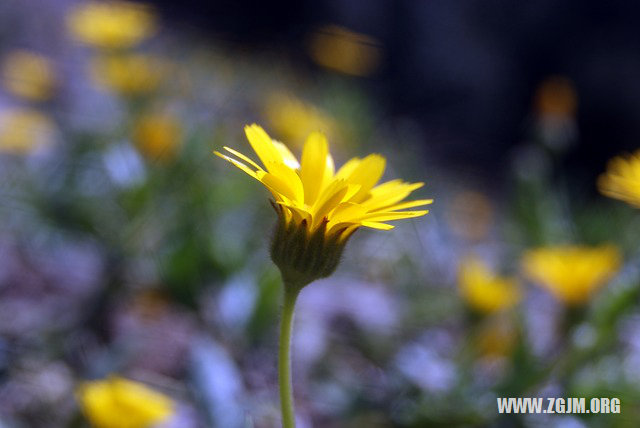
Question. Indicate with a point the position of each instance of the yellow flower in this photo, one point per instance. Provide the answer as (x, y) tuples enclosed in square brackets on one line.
[(158, 135), (121, 403), (112, 24), (622, 179), (28, 75), (572, 274), (345, 51), (24, 130), (483, 290), (497, 337), (131, 74), (319, 208), (293, 119)]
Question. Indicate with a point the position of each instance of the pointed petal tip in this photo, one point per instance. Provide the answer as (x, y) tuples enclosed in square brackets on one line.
[(253, 128), (378, 157), (318, 134), (377, 225)]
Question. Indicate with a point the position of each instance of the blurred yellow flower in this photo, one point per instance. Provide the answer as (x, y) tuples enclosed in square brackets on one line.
[(496, 338), (483, 290), (622, 179), (318, 207), (571, 273), (28, 75), (131, 74), (293, 119), (158, 136), (116, 402), (24, 130), (345, 51), (111, 24)]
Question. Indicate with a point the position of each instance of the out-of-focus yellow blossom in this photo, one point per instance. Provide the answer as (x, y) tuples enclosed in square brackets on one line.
[(622, 179), (112, 24), (556, 96), (158, 136), (131, 74), (572, 273), (293, 119), (116, 402), (470, 215), (319, 208), (496, 338), (28, 75), (483, 290), (343, 50), (24, 130)]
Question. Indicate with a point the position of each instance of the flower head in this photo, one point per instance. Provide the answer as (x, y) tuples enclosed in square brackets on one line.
[(497, 337), (572, 274), (157, 136), (318, 207), (130, 74), (111, 24), (622, 179), (483, 290), (28, 75), (24, 130), (116, 402)]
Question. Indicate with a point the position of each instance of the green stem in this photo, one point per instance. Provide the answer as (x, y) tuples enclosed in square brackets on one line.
[(284, 356)]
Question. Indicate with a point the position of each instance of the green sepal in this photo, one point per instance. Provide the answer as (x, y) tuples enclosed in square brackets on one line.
[(303, 255)]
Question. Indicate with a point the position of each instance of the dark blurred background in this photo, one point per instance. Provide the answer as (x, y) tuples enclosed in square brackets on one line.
[(467, 71)]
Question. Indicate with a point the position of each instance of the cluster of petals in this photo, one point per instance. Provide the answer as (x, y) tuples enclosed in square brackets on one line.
[(485, 291), (572, 273), (311, 191), (622, 179), (116, 402)]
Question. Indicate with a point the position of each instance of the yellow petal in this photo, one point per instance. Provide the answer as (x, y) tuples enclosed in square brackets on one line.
[(366, 174), (387, 216), (290, 177), (243, 157), (314, 164), (238, 164), (346, 212), (330, 168), (263, 146), (288, 157), (410, 204), (389, 193), (279, 186), (376, 225), (300, 212), (328, 200), (329, 204), (345, 171)]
